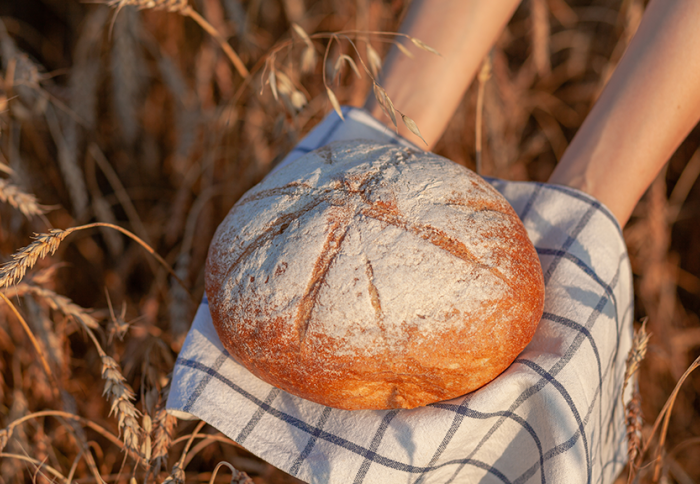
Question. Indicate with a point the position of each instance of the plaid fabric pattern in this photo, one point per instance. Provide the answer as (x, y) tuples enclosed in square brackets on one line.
[(556, 415)]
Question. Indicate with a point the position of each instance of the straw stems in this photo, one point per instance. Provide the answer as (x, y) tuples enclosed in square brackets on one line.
[(236, 475), (177, 475), (662, 421), (38, 464), (181, 7), (225, 46), (35, 343), (664, 418), (6, 433)]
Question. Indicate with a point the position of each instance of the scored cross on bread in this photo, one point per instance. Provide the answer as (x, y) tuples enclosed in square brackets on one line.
[(366, 276)]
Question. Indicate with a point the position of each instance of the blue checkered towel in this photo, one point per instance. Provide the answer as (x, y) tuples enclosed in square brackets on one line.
[(554, 416)]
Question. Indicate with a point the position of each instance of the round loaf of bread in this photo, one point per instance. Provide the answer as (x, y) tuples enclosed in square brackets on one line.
[(367, 276)]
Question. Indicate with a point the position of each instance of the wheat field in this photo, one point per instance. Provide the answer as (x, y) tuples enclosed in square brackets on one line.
[(129, 128)]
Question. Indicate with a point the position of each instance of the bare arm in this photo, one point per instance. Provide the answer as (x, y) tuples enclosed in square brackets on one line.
[(429, 88), (648, 107)]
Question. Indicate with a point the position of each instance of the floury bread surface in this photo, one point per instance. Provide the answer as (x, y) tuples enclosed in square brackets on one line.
[(365, 276)]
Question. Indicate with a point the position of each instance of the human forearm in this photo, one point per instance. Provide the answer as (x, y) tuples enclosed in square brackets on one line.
[(429, 88), (646, 110)]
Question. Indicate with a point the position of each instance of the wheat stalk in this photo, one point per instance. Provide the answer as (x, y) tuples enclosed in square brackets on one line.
[(636, 354), (164, 426), (47, 244), (117, 324), (633, 424), (121, 395), (56, 302), (43, 245), (24, 202), (182, 7), (633, 411)]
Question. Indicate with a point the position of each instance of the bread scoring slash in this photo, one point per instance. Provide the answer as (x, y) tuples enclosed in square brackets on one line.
[(368, 276)]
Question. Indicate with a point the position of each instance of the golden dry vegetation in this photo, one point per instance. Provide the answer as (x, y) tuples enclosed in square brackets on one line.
[(143, 120)]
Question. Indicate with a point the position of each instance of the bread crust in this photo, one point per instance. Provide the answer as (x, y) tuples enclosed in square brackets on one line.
[(366, 276)]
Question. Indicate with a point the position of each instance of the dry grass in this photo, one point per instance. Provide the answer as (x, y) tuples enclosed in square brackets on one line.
[(158, 115)]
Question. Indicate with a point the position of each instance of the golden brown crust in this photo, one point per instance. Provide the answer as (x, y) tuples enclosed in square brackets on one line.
[(373, 277)]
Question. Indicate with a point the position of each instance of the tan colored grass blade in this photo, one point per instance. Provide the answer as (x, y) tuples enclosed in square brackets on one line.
[(421, 45), (4, 168), (308, 59), (298, 100), (375, 62), (392, 111), (665, 414), (405, 51), (285, 86), (272, 80), (334, 102), (385, 103), (302, 33), (343, 58), (412, 127)]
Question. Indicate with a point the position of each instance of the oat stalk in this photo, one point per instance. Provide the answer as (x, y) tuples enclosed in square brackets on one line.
[(372, 70)]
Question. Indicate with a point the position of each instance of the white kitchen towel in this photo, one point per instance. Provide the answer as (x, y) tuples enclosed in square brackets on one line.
[(555, 415)]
